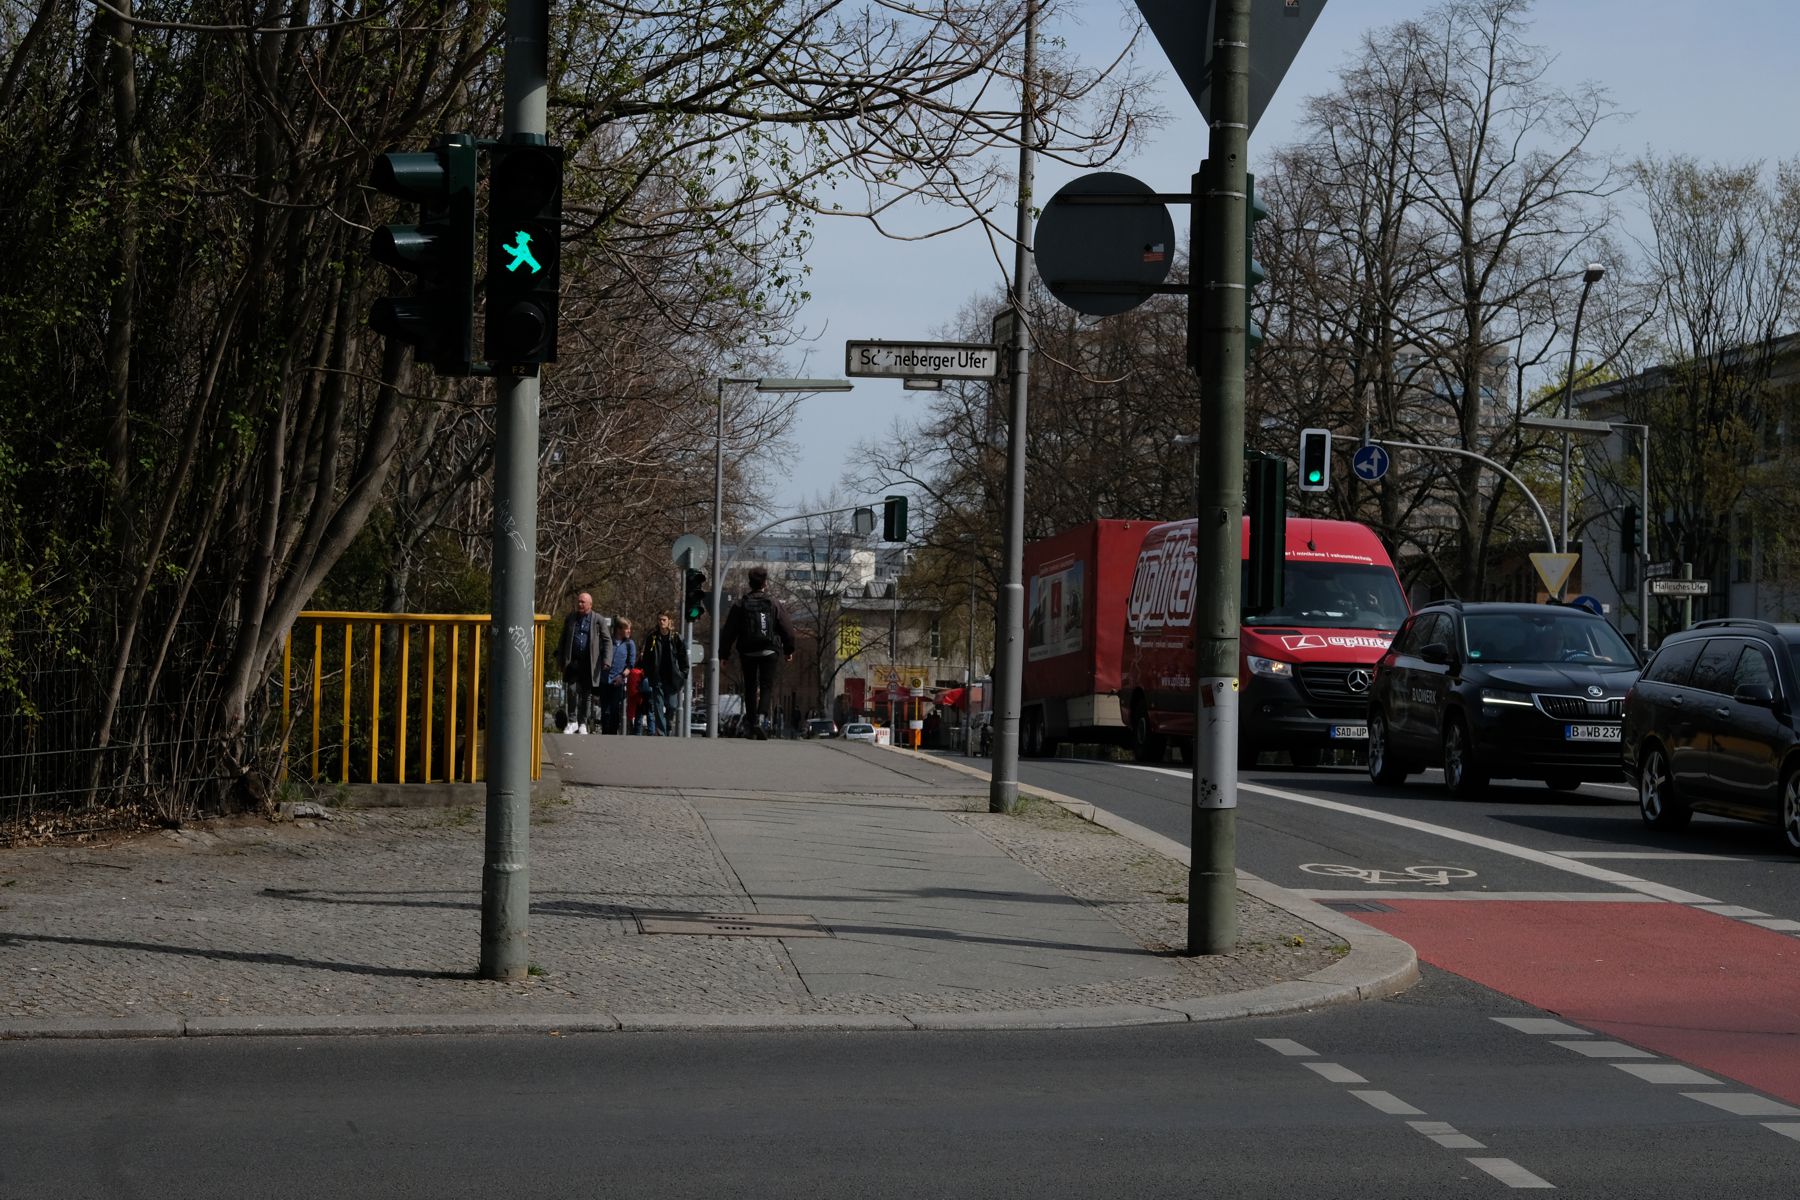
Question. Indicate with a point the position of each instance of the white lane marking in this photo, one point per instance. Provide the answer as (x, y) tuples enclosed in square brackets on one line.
[(1576, 897), (1387, 1102), (1779, 924), (1445, 1135), (1732, 910), (1541, 857), (1334, 1072), (1681, 855), (1606, 1049), (1510, 1173), (1667, 1073), (1540, 1025), (1745, 1104), (1286, 1046), (1785, 1128)]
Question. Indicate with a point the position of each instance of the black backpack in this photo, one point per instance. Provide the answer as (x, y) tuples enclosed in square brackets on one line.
[(756, 629)]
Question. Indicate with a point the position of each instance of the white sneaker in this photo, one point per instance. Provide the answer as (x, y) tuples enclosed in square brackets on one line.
[(569, 728), (584, 729)]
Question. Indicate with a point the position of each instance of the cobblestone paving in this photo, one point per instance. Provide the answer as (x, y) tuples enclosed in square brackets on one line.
[(378, 912)]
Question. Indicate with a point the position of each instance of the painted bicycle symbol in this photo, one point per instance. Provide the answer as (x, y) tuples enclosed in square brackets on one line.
[(1429, 876)]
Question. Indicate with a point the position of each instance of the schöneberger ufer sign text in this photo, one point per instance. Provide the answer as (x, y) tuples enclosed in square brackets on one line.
[(916, 360)]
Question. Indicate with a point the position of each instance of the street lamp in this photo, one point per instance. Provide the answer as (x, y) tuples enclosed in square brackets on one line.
[(763, 384), (1570, 425), (1589, 278)]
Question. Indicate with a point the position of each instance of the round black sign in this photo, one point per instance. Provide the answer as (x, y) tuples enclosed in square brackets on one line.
[(1097, 254)]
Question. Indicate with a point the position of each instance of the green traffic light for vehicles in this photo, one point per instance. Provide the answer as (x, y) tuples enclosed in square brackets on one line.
[(1314, 476)]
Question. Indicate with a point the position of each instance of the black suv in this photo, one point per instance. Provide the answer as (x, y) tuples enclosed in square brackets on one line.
[(1523, 691), (1709, 727)]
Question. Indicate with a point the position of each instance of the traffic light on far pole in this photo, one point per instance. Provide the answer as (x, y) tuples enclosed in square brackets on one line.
[(1265, 501), (893, 519), (1315, 460), (1254, 211), (696, 604), (524, 258), (438, 318)]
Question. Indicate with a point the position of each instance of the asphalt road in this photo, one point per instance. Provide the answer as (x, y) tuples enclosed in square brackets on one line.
[(1429, 1094)]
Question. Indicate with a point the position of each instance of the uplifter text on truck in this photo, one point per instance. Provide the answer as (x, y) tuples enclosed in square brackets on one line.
[(1113, 659)]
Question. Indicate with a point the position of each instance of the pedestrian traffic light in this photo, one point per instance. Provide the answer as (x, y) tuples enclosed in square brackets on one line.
[(524, 252), (437, 320), (1254, 211), (1266, 504), (1628, 546), (1315, 460), (696, 605), (893, 519)]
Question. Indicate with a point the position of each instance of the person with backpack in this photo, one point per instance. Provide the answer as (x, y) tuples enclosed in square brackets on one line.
[(618, 677), (758, 628)]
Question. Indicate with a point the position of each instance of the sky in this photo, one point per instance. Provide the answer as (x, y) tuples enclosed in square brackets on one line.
[(1713, 81)]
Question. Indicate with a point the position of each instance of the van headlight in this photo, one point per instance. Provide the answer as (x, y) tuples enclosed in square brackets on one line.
[(1271, 666)]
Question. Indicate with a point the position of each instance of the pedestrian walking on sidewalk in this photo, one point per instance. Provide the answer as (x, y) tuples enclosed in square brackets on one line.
[(583, 652), (758, 628), (665, 660), (618, 677)]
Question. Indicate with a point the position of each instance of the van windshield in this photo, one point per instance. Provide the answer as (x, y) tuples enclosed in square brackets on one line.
[(1336, 596)]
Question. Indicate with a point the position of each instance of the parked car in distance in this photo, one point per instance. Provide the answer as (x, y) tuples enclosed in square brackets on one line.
[(821, 727), (1709, 727), (859, 731), (1519, 691)]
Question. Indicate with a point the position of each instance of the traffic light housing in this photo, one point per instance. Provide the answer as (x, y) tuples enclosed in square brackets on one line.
[(437, 319), (1315, 460), (524, 253), (696, 601), (1265, 571), (893, 519), (1254, 211)]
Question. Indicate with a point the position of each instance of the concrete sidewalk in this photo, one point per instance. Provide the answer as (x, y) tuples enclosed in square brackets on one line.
[(675, 885)]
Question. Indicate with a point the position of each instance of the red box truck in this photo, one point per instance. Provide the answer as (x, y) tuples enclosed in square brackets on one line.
[(1304, 668)]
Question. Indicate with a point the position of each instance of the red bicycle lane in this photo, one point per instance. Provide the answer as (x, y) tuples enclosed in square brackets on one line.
[(1715, 993)]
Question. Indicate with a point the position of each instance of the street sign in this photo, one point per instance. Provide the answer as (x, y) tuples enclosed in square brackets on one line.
[(1554, 569), (922, 385), (1681, 587), (1370, 462), (688, 550), (1103, 242), (1001, 330), (1657, 570), (1588, 604), (1185, 30), (921, 360)]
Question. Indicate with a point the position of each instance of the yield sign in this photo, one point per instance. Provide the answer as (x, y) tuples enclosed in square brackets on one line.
[(1185, 30), (1554, 569)]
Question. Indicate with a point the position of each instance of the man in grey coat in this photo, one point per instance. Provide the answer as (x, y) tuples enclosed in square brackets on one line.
[(583, 652)]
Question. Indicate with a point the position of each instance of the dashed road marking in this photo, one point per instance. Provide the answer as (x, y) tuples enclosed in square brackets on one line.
[(1745, 1104), (1445, 1135), (1335, 1072), (1785, 1128), (1680, 855), (1541, 1025), (1510, 1173), (1386, 1102), (1778, 924), (1287, 1046), (1667, 1073), (1606, 1049)]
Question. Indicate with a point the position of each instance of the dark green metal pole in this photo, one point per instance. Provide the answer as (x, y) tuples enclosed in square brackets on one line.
[(505, 880), (1218, 349)]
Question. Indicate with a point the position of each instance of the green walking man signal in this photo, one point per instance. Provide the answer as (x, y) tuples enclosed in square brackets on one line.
[(521, 252)]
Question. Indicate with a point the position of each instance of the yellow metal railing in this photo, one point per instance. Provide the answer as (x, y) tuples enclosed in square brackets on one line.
[(447, 668)]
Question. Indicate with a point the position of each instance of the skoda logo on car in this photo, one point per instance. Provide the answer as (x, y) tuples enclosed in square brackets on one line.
[(1595, 691)]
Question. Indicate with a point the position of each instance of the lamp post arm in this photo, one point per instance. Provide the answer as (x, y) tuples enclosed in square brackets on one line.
[(1549, 532)]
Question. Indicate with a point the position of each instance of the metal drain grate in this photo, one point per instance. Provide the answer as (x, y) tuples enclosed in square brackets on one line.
[(1348, 906), (730, 924)]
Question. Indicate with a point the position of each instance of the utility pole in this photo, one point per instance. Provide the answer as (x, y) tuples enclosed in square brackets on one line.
[(505, 880), (1217, 351), (1009, 613)]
